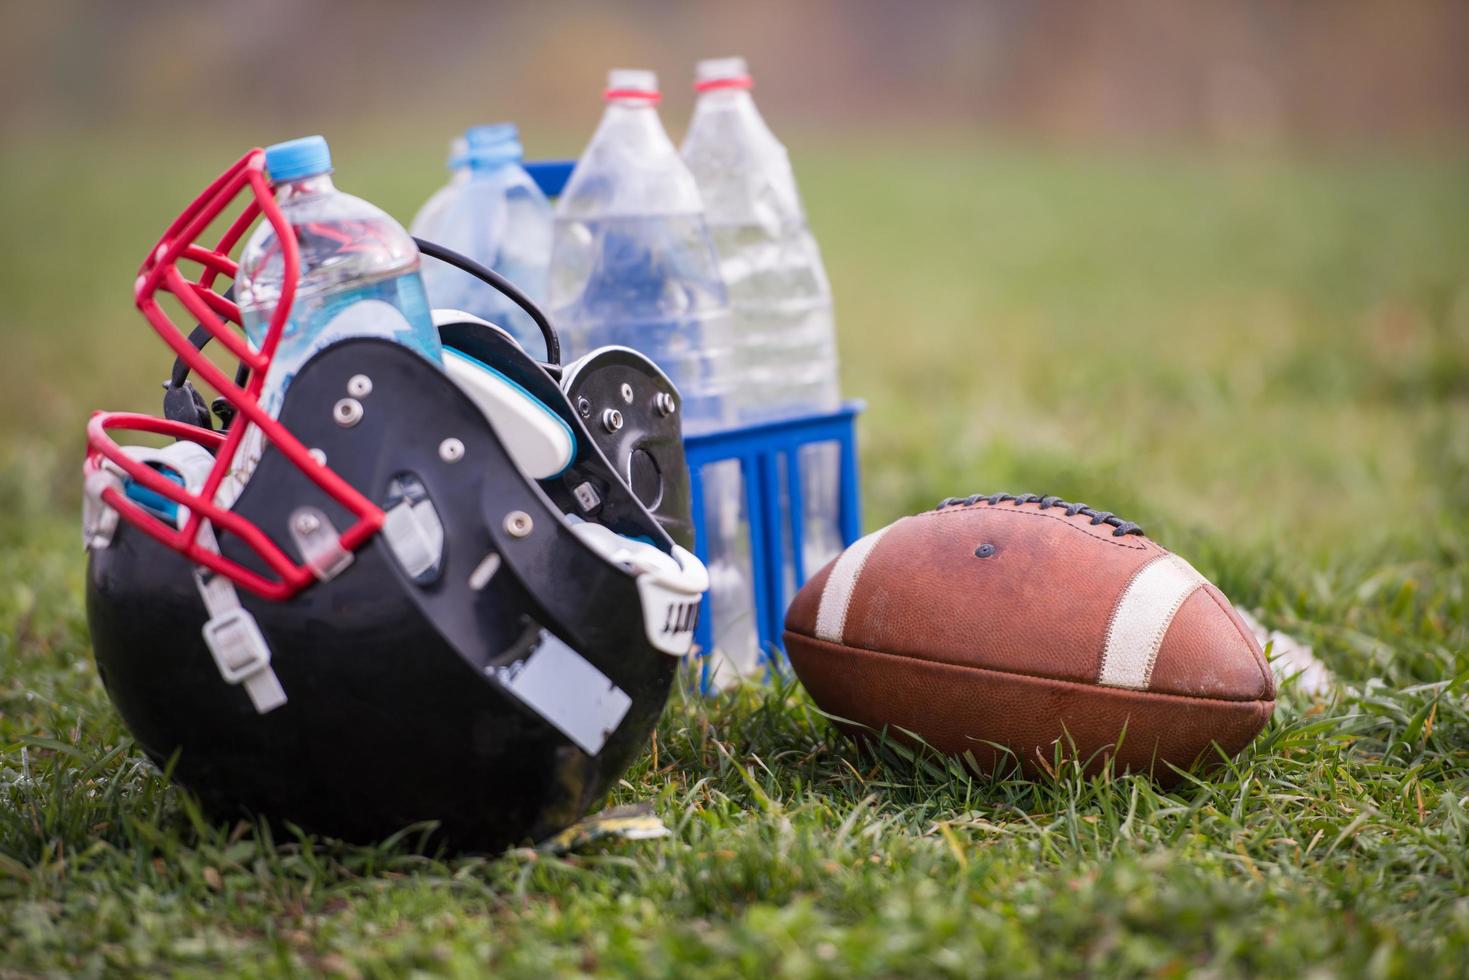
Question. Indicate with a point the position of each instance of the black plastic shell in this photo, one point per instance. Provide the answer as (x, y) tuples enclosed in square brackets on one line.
[(395, 712)]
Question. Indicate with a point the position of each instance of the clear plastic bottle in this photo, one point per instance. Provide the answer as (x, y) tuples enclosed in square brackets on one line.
[(632, 265), (428, 222), (784, 331), (499, 218), (358, 277)]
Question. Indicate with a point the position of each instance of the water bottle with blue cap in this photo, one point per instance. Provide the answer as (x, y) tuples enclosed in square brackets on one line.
[(499, 218), (359, 269), (358, 277)]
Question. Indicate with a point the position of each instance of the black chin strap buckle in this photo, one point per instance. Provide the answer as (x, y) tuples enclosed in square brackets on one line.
[(183, 403)]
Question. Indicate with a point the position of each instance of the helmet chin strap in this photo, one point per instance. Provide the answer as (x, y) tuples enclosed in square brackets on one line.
[(231, 634), (669, 585), (234, 638)]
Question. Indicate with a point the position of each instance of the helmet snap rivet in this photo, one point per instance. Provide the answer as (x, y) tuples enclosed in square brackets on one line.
[(359, 386), (627, 393), (518, 524), (664, 403), (347, 412), (611, 420), (319, 456), (451, 450), (307, 523), (584, 407)]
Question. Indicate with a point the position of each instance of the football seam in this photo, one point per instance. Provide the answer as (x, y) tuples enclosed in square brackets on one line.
[(1142, 545), (1083, 685)]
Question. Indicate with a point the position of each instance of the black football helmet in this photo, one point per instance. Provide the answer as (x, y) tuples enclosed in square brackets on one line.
[(453, 594)]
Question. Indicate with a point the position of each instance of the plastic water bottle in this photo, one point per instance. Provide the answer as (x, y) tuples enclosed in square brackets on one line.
[(784, 333), (427, 223), (498, 217), (358, 277), (632, 265)]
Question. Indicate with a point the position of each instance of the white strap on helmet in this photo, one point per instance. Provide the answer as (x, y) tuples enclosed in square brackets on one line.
[(99, 521), (670, 586), (231, 634)]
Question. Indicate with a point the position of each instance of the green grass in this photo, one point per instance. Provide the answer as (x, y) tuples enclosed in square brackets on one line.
[(1265, 363)]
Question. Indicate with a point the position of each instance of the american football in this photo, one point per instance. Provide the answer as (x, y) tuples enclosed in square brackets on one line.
[(1024, 626)]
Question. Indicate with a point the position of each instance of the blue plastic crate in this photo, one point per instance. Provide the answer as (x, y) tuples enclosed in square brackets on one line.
[(550, 175), (769, 456)]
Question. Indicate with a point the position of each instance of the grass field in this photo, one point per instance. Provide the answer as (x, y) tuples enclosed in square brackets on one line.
[(1265, 363)]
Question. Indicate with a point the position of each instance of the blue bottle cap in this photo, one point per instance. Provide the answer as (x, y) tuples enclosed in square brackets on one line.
[(294, 159), (494, 144)]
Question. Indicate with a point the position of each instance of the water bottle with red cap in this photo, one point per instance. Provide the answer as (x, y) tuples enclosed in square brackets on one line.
[(632, 264), (784, 333)]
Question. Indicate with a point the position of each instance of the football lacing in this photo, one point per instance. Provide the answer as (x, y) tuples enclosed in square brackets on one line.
[(1120, 527)]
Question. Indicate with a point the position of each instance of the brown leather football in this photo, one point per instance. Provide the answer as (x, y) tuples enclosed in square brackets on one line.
[(1029, 622)]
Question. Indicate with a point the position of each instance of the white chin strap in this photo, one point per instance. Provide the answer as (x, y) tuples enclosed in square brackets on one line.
[(232, 635), (670, 586)]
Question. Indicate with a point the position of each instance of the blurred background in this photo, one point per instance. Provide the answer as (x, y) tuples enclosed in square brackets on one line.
[(1220, 72), (1204, 264)]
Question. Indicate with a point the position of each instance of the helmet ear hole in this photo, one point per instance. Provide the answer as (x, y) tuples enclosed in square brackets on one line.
[(646, 478), (633, 415)]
